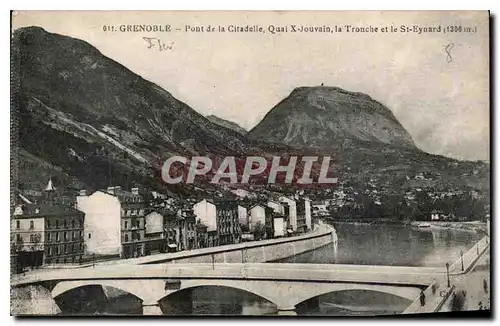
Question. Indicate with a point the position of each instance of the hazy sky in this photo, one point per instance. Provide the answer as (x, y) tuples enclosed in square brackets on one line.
[(443, 103)]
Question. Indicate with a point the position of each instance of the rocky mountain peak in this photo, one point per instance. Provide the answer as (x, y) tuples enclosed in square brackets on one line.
[(324, 116)]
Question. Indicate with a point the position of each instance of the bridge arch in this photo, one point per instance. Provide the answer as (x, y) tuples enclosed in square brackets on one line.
[(145, 290), (316, 290), (250, 287)]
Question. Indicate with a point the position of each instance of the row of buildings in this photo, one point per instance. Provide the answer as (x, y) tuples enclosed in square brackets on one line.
[(114, 222)]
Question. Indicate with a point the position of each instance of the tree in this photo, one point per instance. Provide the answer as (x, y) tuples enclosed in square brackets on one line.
[(244, 228), (259, 231)]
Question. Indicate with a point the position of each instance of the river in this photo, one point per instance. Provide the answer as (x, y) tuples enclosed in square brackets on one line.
[(357, 244)]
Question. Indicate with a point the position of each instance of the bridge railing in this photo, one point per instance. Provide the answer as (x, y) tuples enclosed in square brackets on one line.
[(468, 258)]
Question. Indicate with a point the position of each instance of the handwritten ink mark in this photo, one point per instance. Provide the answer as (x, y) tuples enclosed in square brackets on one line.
[(447, 49), (155, 42)]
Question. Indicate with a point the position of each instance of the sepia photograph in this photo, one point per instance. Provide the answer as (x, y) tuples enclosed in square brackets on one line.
[(250, 163)]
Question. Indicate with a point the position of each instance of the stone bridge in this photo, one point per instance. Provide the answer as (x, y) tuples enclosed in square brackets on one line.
[(285, 285)]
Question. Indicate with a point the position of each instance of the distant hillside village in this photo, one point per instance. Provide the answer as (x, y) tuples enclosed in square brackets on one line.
[(117, 223)]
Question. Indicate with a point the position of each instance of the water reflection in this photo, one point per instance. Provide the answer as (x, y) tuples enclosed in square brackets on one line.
[(353, 303), (390, 245), (215, 300)]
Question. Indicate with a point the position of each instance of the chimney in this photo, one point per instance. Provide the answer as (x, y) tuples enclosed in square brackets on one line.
[(82, 192), (135, 191)]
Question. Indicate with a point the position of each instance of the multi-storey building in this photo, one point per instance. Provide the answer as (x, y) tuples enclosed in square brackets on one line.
[(228, 226), (114, 223), (281, 212), (206, 212), (201, 236), (171, 226), (263, 215), (291, 212), (187, 227), (212, 239), (47, 234), (303, 214), (155, 234)]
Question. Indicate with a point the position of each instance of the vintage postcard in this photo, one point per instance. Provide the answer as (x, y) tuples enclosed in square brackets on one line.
[(277, 163)]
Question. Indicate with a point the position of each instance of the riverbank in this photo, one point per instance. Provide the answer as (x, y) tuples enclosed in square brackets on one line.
[(474, 226), (366, 221)]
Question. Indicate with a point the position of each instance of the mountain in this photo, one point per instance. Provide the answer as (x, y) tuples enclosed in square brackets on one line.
[(88, 114), (325, 117), (227, 124), (86, 121)]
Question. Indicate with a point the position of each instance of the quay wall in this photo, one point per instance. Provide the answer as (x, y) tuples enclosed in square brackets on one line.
[(250, 252)]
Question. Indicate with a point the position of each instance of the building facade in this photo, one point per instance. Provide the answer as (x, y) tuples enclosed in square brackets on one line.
[(228, 226), (292, 213), (205, 211), (115, 222), (45, 234), (187, 227), (154, 233)]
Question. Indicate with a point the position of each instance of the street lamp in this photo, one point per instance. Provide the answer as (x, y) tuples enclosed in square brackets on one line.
[(462, 259), (448, 273)]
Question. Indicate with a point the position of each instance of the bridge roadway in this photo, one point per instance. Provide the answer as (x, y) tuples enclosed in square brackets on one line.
[(285, 285)]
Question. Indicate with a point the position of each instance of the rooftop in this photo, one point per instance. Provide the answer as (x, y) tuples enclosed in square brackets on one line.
[(43, 210)]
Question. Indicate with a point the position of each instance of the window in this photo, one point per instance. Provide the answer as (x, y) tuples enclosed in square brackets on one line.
[(81, 234), (138, 223), (65, 236), (50, 251), (32, 238), (48, 236), (73, 235), (18, 224), (57, 251), (57, 224), (126, 237), (57, 236), (126, 224), (65, 249), (18, 238), (65, 224), (73, 223), (73, 249), (32, 225), (48, 224), (90, 236)]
